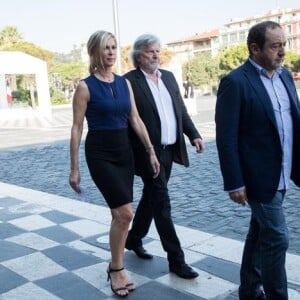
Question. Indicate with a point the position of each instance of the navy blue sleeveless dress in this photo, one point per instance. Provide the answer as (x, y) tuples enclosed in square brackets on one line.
[(107, 148)]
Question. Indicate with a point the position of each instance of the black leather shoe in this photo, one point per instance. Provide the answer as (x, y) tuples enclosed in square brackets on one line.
[(140, 251), (183, 270)]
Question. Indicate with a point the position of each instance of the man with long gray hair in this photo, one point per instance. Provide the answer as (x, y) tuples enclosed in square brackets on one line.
[(161, 107)]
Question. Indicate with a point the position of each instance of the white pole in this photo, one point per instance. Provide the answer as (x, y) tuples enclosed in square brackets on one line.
[(117, 34)]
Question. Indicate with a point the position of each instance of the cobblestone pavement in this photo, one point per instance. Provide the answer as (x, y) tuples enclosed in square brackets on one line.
[(37, 157)]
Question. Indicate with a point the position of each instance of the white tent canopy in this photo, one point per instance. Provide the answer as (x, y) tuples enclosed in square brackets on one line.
[(15, 62)]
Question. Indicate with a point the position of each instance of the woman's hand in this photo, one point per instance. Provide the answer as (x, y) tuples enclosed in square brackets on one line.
[(74, 180)]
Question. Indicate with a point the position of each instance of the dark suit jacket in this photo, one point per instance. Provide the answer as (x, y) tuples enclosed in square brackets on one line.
[(148, 112), (246, 133)]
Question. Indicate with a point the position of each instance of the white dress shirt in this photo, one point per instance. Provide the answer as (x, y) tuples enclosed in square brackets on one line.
[(165, 109)]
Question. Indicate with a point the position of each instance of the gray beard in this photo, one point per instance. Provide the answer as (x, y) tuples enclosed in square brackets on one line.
[(152, 67)]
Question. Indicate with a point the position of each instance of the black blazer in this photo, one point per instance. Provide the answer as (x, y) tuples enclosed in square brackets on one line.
[(247, 136), (148, 112)]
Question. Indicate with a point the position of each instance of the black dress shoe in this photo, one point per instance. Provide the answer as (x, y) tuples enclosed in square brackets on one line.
[(140, 251), (183, 270)]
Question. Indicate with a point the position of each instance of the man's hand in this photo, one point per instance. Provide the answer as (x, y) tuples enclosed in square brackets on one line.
[(199, 144), (239, 197), (155, 164)]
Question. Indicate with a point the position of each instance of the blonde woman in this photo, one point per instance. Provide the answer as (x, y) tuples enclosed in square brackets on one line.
[(107, 102)]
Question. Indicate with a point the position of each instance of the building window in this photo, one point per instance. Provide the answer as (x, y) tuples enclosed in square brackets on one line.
[(233, 37), (289, 29), (242, 36), (289, 43), (224, 39)]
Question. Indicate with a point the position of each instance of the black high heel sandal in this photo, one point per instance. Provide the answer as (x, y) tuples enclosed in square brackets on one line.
[(115, 291), (129, 285)]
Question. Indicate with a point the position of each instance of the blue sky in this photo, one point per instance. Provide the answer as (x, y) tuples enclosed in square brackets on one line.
[(57, 25)]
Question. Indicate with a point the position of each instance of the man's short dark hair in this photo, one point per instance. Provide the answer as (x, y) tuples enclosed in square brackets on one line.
[(257, 33)]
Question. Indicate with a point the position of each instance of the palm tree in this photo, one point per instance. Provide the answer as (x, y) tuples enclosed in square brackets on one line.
[(9, 36)]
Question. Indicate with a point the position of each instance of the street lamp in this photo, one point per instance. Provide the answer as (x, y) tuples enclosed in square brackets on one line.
[(117, 35)]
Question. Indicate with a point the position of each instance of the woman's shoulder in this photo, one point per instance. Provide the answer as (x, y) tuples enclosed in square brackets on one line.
[(120, 79), (82, 84), (89, 78)]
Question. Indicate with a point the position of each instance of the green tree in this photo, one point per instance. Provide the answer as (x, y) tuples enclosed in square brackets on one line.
[(69, 74), (292, 61), (9, 36), (232, 57), (202, 70), (22, 94)]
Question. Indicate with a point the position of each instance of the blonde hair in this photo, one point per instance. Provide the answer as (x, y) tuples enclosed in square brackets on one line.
[(95, 47)]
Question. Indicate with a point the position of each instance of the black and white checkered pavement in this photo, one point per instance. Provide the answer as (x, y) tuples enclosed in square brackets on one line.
[(52, 247)]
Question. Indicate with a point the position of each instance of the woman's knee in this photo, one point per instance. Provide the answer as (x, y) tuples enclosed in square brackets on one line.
[(127, 216), (123, 214)]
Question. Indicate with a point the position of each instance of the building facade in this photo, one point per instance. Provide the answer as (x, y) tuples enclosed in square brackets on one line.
[(235, 32)]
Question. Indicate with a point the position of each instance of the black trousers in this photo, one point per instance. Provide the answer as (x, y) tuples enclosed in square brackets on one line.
[(155, 204)]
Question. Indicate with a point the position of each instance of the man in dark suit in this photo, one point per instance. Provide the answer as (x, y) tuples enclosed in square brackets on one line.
[(160, 105), (258, 140)]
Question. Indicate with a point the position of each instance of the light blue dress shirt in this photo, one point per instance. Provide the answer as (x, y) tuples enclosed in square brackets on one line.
[(282, 110)]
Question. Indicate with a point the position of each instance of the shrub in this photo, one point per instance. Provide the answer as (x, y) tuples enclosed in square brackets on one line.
[(57, 97)]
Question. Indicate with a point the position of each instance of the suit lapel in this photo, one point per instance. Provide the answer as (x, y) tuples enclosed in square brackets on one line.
[(142, 82), (168, 82), (289, 87), (260, 90)]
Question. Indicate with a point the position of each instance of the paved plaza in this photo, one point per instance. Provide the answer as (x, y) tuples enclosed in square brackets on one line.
[(53, 246)]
